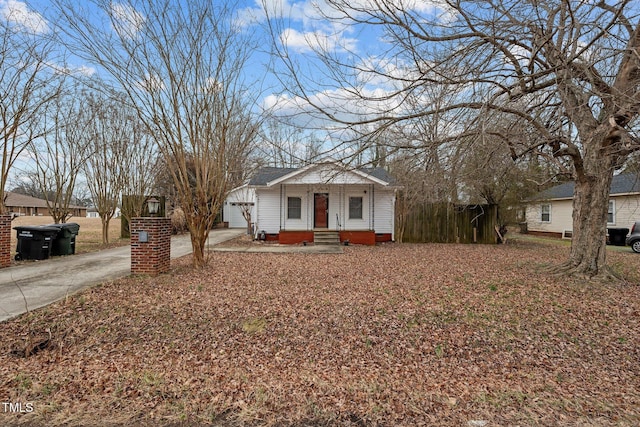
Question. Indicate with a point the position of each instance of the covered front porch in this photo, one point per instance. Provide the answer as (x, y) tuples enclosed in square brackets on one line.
[(324, 202), (312, 213)]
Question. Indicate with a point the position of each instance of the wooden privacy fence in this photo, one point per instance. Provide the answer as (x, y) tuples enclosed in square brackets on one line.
[(449, 223)]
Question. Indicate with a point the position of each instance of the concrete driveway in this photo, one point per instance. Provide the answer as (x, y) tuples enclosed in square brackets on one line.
[(43, 282)]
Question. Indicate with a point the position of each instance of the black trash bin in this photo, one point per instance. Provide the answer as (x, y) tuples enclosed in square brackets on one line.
[(617, 236), (65, 241), (34, 242)]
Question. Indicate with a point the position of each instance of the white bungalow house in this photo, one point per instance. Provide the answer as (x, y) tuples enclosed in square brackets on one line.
[(551, 211), (296, 205)]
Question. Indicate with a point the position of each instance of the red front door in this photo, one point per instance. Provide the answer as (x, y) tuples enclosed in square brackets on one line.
[(321, 210)]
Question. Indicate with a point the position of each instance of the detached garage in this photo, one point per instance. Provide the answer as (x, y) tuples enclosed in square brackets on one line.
[(241, 200)]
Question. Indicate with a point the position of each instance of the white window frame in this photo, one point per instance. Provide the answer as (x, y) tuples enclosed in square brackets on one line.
[(542, 213), (611, 211), (361, 208), (294, 218)]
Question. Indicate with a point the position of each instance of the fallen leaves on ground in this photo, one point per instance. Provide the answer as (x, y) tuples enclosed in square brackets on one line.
[(397, 334)]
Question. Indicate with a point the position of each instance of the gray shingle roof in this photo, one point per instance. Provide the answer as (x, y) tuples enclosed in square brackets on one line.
[(267, 174), (620, 184), (379, 173)]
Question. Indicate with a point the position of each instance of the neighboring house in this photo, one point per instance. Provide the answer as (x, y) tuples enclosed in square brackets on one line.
[(22, 205), (93, 213), (240, 201), (550, 212), (293, 205)]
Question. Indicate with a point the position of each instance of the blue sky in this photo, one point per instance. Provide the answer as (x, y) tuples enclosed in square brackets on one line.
[(302, 26)]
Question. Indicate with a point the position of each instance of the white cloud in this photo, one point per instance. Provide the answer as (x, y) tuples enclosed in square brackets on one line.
[(377, 78), (126, 21), (304, 42), (17, 13), (84, 70), (151, 83), (342, 104), (383, 72), (276, 9)]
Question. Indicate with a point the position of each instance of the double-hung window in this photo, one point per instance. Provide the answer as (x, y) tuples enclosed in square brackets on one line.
[(611, 213), (545, 212), (294, 208), (355, 207)]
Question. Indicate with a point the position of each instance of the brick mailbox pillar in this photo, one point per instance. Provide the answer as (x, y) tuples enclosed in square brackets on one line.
[(5, 241), (150, 245)]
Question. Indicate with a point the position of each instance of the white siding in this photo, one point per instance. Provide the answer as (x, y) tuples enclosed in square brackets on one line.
[(561, 216), (327, 174), (384, 211), (296, 224), (627, 210), (365, 223), (336, 206), (268, 210)]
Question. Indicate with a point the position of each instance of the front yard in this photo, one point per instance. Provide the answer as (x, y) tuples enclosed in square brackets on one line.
[(443, 335)]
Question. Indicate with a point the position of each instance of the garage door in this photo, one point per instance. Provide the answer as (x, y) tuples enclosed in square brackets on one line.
[(236, 220)]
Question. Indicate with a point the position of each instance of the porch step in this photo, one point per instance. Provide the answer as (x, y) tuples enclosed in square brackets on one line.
[(326, 238)]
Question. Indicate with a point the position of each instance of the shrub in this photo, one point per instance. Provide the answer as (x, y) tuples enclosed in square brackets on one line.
[(178, 221)]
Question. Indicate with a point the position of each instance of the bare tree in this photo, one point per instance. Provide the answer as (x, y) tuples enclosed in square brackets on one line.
[(181, 65), (141, 165), (568, 71), (27, 85), (286, 145), (60, 153), (109, 130), (487, 170)]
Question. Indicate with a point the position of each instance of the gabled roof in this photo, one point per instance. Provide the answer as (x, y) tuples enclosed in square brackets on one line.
[(268, 174), (272, 175), (628, 183), (379, 173)]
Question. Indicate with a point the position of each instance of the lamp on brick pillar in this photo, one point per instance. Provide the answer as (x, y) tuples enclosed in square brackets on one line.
[(153, 205), (150, 242)]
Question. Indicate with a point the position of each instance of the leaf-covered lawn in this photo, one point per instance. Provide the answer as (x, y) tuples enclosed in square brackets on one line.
[(388, 335)]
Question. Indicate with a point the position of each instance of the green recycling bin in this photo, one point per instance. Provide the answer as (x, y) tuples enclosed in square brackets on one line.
[(65, 241)]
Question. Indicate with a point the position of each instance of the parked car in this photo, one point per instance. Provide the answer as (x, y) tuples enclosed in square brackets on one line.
[(633, 239)]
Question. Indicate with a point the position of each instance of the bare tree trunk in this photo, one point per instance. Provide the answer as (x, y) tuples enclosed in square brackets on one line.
[(105, 229), (588, 246), (199, 233), (593, 174)]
